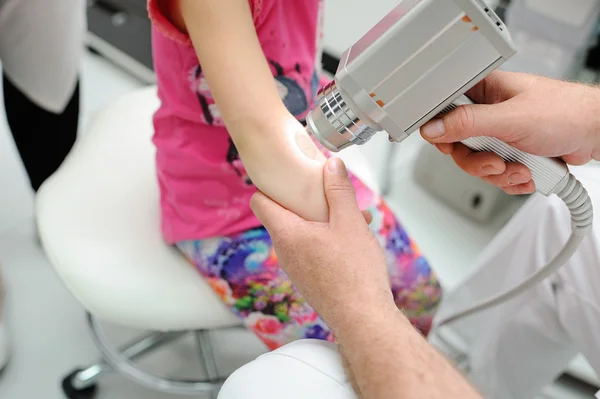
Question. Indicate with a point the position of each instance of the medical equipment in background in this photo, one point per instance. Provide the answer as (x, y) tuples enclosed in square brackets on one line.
[(552, 37), (120, 30), (468, 195), (417, 63), (593, 57)]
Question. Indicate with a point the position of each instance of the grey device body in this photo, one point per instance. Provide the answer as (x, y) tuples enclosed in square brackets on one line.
[(473, 198), (414, 65)]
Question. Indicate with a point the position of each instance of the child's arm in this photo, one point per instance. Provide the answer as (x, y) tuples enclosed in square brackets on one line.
[(278, 155)]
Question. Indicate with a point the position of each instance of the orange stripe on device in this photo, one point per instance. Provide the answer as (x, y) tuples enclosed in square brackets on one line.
[(379, 102)]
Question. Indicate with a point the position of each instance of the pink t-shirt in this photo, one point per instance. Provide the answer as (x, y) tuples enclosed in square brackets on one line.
[(205, 191)]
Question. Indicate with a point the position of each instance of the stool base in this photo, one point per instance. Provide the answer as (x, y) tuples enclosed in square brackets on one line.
[(81, 383)]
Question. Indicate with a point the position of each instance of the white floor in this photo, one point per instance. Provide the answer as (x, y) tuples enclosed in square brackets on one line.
[(50, 336)]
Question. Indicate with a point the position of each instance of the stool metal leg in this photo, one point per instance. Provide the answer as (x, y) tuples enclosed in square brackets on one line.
[(207, 355), (132, 351), (120, 363)]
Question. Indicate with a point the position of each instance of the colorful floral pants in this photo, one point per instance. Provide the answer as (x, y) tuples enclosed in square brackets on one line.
[(243, 270)]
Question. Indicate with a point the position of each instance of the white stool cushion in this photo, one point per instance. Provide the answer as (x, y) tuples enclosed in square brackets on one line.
[(306, 369), (99, 221)]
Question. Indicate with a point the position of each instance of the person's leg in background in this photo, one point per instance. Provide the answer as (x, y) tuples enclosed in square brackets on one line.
[(43, 138), (576, 285), (41, 44), (517, 348)]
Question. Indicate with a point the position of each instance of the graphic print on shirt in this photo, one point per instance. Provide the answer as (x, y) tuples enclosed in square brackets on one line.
[(199, 85), (290, 91), (319, 46), (233, 159), (292, 94)]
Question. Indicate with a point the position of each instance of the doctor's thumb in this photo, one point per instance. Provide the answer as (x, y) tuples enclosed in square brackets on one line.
[(470, 121), (340, 193)]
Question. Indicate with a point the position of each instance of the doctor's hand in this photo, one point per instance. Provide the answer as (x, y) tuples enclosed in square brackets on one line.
[(338, 266), (537, 115)]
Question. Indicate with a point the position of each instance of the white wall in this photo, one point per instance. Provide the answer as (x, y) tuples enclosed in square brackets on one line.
[(346, 21)]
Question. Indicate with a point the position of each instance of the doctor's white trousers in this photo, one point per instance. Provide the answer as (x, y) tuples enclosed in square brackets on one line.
[(514, 350)]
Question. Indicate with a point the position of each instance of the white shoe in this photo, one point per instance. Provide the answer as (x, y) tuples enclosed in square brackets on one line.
[(4, 341)]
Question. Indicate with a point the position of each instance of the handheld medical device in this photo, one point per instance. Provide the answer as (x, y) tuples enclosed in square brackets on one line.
[(416, 64)]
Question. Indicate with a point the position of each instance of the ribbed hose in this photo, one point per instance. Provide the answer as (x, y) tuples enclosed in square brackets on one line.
[(580, 206), (576, 197)]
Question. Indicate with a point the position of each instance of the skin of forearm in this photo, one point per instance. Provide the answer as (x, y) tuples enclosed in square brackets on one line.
[(388, 358)]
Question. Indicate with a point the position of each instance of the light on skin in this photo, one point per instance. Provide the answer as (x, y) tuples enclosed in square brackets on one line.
[(307, 148), (288, 168)]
